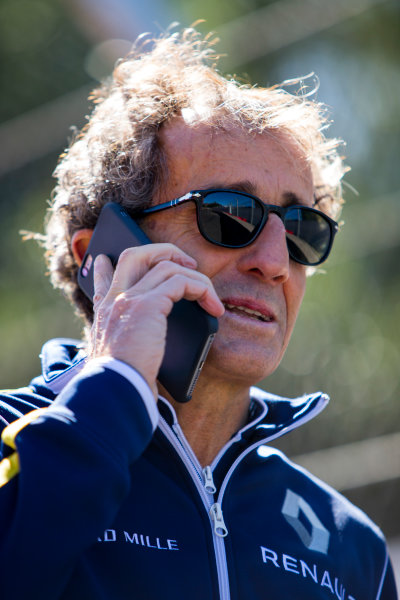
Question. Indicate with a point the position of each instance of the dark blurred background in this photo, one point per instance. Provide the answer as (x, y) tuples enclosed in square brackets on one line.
[(346, 341)]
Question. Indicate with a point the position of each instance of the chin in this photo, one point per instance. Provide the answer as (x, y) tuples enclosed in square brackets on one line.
[(236, 364)]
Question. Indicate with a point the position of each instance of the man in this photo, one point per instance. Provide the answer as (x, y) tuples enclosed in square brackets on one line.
[(109, 487)]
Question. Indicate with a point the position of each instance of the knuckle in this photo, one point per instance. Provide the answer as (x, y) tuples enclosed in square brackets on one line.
[(136, 302), (120, 300), (120, 304), (165, 246), (127, 302), (126, 255), (165, 250), (167, 268), (162, 265), (158, 303), (179, 279)]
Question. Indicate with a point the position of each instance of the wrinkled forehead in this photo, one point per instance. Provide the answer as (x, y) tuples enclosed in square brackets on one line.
[(179, 134), (205, 155)]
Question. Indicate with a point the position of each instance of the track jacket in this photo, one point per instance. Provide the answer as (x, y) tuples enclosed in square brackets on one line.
[(101, 498)]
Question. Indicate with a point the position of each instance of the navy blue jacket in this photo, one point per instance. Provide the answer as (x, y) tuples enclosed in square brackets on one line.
[(101, 498)]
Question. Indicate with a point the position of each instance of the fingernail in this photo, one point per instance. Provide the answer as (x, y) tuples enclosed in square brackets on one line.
[(190, 262), (97, 298), (98, 261), (222, 306)]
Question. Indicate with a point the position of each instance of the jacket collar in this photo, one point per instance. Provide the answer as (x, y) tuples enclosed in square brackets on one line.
[(62, 359), (271, 415), (285, 414)]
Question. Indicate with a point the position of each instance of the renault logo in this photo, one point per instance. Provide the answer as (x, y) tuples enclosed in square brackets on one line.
[(315, 536)]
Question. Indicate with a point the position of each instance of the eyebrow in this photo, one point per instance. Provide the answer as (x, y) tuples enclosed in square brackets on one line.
[(292, 199), (247, 187), (321, 193)]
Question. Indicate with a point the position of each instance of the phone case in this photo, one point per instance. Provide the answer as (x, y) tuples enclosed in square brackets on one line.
[(190, 329)]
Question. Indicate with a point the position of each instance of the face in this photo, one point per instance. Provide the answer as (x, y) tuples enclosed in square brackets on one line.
[(260, 286)]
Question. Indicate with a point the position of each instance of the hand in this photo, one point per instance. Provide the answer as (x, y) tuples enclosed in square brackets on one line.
[(132, 304)]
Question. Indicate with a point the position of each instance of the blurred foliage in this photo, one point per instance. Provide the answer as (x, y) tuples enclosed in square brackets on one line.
[(42, 54), (346, 340)]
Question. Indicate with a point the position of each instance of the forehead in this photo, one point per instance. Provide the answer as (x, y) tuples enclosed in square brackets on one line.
[(201, 157)]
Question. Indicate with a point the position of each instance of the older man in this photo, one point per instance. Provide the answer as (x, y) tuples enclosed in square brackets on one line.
[(110, 488)]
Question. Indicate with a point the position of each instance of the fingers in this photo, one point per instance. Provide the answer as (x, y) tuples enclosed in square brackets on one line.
[(142, 269), (131, 306), (134, 263), (182, 283), (180, 286)]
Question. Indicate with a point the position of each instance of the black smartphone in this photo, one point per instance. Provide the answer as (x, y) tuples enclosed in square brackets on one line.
[(190, 329)]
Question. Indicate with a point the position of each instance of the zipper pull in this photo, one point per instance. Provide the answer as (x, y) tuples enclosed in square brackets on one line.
[(219, 523), (209, 481)]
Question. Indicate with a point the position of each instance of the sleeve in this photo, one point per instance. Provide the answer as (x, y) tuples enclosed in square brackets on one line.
[(387, 589), (67, 475)]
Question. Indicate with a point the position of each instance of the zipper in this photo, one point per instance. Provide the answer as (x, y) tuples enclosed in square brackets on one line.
[(209, 481), (204, 482), (216, 515), (218, 518)]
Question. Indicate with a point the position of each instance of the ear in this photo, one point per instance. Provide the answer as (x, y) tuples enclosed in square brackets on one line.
[(79, 243)]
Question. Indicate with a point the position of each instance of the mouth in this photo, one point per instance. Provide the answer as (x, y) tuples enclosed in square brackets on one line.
[(244, 310)]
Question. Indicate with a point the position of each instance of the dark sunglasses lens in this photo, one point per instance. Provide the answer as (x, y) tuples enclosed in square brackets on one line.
[(229, 218), (308, 235), (233, 220)]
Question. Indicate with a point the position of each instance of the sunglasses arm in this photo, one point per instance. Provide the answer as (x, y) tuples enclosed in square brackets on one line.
[(158, 207)]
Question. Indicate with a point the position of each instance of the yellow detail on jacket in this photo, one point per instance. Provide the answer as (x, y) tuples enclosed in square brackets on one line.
[(11, 431), (9, 467)]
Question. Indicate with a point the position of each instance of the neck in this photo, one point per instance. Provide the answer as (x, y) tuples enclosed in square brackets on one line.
[(213, 415)]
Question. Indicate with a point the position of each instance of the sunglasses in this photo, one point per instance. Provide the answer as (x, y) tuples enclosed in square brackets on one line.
[(234, 220)]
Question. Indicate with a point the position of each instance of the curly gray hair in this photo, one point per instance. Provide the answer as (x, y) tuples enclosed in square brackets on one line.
[(117, 157)]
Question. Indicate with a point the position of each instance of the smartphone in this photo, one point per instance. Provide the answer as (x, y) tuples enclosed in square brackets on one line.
[(190, 329)]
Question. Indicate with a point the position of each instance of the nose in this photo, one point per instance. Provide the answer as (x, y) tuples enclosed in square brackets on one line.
[(267, 257)]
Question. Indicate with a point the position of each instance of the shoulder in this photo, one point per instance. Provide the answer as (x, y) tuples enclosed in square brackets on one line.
[(321, 528), (341, 512), (14, 404)]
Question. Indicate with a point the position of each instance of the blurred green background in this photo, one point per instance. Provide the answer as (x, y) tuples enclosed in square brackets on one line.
[(346, 341)]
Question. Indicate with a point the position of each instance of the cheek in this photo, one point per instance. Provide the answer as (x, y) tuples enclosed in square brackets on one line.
[(208, 262), (213, 261), (183, 232), (161, 229), (294, 292)]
